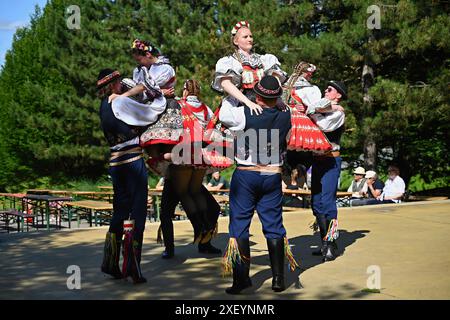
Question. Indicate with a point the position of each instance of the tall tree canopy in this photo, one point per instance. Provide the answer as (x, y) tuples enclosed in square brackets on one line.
[(398, 76)]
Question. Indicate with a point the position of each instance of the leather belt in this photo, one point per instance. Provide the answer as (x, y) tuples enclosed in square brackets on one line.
[(260, 169), (330, 154)]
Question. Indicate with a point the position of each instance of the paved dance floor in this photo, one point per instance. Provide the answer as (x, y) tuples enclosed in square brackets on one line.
[(405, 244)]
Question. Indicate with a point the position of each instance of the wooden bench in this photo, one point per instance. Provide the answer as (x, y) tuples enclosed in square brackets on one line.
[(93, 209), (21, 219)]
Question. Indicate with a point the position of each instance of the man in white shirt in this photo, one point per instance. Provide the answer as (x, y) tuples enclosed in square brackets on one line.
[(256, 184), (394, 188)]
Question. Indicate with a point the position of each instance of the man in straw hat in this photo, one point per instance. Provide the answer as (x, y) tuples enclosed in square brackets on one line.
[(358, 185), (256, 184)]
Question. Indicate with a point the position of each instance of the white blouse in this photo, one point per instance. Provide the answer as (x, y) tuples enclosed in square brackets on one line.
[(230, 66)]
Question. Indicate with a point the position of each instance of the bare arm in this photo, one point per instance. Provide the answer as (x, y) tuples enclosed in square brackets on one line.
[(231, 89)]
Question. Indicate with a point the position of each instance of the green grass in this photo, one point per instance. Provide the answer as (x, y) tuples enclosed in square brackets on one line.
[(367, 290)]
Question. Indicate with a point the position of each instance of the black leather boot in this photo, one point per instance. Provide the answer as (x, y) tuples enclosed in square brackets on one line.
[(168, 253), (322, 222), (136, 273), (331, 252), (208, 248), (111, 255), (241, 271), (276, 253)]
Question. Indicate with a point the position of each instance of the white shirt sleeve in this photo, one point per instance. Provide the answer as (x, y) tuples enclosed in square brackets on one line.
[(330, 121), (232, 117), (135, 113), (350, 187), (162, 74)]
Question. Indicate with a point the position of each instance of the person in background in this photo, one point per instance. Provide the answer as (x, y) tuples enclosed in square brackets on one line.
[(292, 200), (217, 182), (393, 190), (358, 185), (374, 188)]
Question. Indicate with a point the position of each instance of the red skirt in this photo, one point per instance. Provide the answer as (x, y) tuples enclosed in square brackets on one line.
[(305, 135)]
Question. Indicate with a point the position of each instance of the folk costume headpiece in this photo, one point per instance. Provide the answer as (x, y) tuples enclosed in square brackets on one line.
[(142, 45), (107, 76), (239, 25), (269, 87)]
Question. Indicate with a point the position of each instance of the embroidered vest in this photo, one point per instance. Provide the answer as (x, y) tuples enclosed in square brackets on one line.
[(262, 147), (116, 131)]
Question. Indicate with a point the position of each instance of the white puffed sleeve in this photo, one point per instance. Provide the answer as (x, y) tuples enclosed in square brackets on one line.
[(231, 116), (272, 66), (227, 67), (312, 98), (330, 121), (164, 75), (135, 113)]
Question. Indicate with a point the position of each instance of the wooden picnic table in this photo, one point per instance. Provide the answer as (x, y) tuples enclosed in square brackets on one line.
[(12, 198), (42, 202), (94, 195), (105, 187), (90, 207)]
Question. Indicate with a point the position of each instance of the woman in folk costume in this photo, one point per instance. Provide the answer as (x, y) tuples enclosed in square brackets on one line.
[(304, 98), (121, 121), (238, 73), (185, 176), (155, 77)]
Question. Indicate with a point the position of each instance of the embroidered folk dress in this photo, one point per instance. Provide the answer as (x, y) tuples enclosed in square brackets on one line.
[(305, 134)]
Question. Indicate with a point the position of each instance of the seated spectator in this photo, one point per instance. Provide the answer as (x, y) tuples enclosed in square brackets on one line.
[(374, 188), (358, 184), (288, 199), (393, 190), (217, 182)]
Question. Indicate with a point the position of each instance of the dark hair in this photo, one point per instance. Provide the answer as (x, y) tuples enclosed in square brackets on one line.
[(270, 102), (192, 87)]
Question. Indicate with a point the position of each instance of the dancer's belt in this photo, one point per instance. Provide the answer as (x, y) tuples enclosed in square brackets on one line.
[(118, 154), (330, 154), (257, 168)]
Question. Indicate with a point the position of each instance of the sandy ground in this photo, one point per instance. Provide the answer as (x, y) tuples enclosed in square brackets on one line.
[(406, 242)]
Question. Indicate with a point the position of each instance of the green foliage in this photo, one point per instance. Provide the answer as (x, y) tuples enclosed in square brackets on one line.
[(49, 124)]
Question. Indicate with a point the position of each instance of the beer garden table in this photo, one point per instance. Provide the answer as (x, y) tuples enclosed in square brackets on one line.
[(43, 203)]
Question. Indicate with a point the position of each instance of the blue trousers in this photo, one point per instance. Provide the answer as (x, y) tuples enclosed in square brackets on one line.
[(324, 183), (130, 183), (250, 190)]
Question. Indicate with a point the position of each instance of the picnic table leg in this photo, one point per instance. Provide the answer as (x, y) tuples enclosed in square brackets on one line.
[(90, 217), (78, 219), (95, 217), (47, 214), (69, 216), (157, 202)]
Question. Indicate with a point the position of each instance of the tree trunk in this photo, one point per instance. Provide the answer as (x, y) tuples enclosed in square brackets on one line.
[(367, 80)]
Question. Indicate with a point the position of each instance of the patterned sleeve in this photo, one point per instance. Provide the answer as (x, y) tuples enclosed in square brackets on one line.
[(152, 90), (227, 67), (272, 66)]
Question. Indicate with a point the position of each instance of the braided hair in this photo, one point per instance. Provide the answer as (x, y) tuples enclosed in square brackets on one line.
[(299, 69), (192, 86)]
